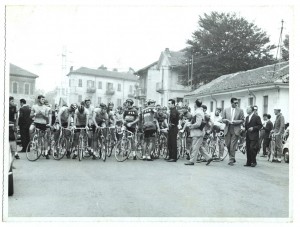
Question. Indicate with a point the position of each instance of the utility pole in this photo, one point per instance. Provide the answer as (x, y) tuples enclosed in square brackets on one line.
[(279, 47)]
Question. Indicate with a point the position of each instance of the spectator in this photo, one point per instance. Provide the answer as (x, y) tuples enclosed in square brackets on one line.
[(278, 132), (13, 127), (24, 123), (267, 128)]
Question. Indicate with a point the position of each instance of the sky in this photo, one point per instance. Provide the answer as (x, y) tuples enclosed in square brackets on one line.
[(122, 36)]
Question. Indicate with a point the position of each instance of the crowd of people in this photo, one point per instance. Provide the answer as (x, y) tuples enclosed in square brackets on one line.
[(150, 120)]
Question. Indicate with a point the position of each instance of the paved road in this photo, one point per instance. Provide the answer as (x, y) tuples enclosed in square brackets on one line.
[(92, 188)]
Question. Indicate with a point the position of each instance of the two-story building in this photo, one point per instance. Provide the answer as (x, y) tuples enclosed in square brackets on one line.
[(265, 87), (100, 86), (159, 81), (21, 84)]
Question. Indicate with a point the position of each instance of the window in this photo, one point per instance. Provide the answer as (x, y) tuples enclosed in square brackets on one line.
[(80, 83), (79, 98), (90, 84), (99, 100), (250, 101), (130, 89), (15, 87), (100, 85), (211, 106), (26, 89), (222, 105), (109, 86), (119, 87), (266, 104), (119, 102)]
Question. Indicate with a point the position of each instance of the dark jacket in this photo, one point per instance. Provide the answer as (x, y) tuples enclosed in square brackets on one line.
[(256, 124), (24, 116), (268, 128)]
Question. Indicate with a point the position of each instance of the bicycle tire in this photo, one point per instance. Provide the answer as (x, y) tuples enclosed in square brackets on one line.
[(122, 150), (110, 147), (103, 152), (225, 153), (33, 153), (80, 150), (59, 149)]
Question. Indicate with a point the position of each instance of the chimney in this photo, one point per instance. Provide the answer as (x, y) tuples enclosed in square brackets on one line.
[(102, 67), (167, 50)]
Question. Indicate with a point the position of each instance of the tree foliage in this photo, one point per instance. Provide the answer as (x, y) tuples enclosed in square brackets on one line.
[(285, 48), (225, 43)]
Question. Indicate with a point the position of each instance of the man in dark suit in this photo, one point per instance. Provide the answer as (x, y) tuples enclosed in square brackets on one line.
[(24, 124), (233, 117), (253, 125)]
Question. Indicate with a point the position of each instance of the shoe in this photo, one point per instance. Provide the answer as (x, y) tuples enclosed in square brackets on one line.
[(68, 156), (74, 156), (189, 163), (230, 163), (188, 157), (253, 164), (17, 156), (94, 157), (166, 159), (276, 160), (172, 160), (209, 161), (134, 157), (149, 158), (47, 156), (234, 161), (247, 165), (144, 157)]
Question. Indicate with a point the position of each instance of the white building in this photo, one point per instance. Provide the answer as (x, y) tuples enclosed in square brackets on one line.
[(100, 85), (265, 87), (159, 81)]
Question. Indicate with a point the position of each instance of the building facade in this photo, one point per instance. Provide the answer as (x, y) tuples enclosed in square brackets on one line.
[(159, 81), (265, 87), (22, 84), (101, 86)]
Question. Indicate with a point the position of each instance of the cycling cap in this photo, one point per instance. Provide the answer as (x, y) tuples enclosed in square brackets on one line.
[(110, 104), (130, 101), (102, 105), (74, 106)]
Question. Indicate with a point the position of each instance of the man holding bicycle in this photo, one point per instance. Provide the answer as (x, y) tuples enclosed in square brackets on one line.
[(64, 120), (130, 119), (41, 115), (80, 121)]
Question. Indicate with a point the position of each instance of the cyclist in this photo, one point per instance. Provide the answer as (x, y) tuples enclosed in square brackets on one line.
[(130, 119), (150, 126), (64, 120), (119, 120), (165, 111), (101, 119), (90, 109), (110, 107), (162, 120), (40, 112), (80, 121)]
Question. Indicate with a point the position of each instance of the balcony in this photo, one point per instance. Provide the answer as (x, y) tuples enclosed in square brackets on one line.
[(90, 90), (140, 94), (131, 95), (159, 87), (110, 91)]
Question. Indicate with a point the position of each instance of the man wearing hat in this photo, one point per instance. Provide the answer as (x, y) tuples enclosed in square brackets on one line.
[(278, 132)]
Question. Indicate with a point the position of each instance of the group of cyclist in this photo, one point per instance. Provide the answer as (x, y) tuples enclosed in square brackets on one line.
[(149, 121)]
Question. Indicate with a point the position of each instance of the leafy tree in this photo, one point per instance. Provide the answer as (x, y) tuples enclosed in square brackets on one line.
[(285, 48), (225, 43)]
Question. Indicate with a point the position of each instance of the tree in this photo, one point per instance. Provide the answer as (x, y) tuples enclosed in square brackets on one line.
[(225, 43), (285, 48)]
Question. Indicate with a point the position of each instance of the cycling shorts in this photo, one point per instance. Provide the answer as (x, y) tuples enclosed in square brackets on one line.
[(41, 127), (149, 133)]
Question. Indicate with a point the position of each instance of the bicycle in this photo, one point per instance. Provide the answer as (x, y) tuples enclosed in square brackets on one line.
[(102, 146), (181, 150), (271, 152), (123, 147), (214, 147), (63, 144), (82, 144), (110, 140), (162, 144), (36, 147)]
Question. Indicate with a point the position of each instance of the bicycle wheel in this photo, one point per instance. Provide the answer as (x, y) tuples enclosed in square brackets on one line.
[(59, 149), (122, 150), (33, 151), (80, 149), (110, 147), (164, 148), (225, 153), (104, 148), (139, 151)]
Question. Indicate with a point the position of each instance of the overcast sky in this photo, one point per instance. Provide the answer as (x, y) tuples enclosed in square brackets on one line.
[(130, 35)]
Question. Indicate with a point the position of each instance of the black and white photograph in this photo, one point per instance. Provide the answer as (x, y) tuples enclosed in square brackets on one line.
[(148, 111)]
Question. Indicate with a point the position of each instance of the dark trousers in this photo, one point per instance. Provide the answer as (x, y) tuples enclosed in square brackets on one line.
[(172, 142), (252, 148), (25, 137), (266, 144)]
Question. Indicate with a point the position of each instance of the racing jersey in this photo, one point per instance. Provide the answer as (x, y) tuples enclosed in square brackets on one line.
[(81, 117), (130, 115), (149, 119), (118, 116), (90, 114), (161, 117), (12, 112), (65, 113), (217, 120), (41, 113), (101, 117)]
